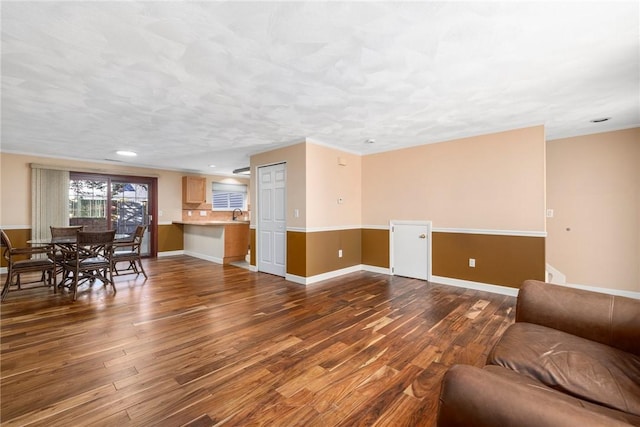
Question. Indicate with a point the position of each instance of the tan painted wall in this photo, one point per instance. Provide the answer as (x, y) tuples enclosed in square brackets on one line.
[(315, 181), (593, 187), (170, 237), (327, 181), (322, 250), (15, 193), (15, 184), (491, 181), (15, 190), (294, 156), (375, 247), (500, 260)]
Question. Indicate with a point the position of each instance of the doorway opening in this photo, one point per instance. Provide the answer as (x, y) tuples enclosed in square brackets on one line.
[(115, 202)]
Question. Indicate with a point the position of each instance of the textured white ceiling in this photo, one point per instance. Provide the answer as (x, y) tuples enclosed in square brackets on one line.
[(189, 84)]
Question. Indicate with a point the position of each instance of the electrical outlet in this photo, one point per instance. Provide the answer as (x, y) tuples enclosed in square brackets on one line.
[(472, 262), (203, 213), (189, 213), (339, 253), (549, 213)]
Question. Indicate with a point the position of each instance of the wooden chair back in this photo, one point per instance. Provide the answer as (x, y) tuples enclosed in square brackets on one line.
[(27, 260), (65, 231)]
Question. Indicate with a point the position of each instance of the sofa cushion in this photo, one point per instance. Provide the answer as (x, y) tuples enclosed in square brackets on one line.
[(529, 382), (585, 369), (608, 319), (474, 397)]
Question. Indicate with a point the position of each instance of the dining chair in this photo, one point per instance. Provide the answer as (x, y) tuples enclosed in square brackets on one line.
[(19, 260), (59, 232), (130, 252), (69, 231), (89, 259)]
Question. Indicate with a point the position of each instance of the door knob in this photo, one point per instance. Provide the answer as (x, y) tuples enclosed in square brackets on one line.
[(423, 236)]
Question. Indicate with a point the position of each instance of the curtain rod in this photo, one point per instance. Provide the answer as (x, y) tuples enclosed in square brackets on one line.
[(92, 170)]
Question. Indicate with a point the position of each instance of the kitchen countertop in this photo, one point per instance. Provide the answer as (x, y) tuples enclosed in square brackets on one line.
[(228, 222)]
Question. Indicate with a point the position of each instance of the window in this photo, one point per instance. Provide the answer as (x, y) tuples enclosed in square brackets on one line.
[(87, 198), (227, 197), (113, 202)]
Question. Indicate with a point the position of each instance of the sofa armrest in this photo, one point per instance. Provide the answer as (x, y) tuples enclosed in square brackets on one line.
[(608, 319), (473, 397)]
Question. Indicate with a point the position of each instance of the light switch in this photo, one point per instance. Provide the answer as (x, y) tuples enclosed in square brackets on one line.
[(296, 213), (472, 262), (549, 213), (189, 213)]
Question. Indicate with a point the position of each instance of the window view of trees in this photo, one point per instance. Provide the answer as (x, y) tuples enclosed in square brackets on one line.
[(90, 201), (129, 206), (111, 201), (87, 198)]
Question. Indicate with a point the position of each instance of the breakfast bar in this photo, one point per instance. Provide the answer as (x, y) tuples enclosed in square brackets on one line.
[(221, 242)]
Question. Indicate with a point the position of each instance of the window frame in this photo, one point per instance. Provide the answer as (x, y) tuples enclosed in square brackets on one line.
[(228, 189)]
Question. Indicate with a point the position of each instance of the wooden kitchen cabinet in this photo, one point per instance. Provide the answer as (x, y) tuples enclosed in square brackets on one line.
[(194, 189), (236, 242)]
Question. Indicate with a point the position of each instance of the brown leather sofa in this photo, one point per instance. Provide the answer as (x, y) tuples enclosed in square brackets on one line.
[(572, 358)]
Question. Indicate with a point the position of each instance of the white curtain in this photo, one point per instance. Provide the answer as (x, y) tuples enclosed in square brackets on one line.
[(49, 201)]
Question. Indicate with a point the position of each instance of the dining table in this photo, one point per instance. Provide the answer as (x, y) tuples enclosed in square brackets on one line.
[(70, 240), (66, 244)]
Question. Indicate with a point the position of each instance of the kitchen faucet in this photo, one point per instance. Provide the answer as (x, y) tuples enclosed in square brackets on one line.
[(234, 213)]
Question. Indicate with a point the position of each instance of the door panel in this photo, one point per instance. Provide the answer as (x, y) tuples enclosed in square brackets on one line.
[(266, 245), (279, 205), (129, 209), (266, 208), (280, 249), (116, 202), (272, 219), (411, 249)]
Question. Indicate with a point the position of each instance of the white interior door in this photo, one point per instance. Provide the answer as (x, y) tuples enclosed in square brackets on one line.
[(411, 249), (272, 227)]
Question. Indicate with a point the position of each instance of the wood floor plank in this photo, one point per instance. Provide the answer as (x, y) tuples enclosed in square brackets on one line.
[(200, 344)]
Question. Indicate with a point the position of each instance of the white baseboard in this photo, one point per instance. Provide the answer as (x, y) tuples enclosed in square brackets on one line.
[(324, 276), (496, 289), (204, 257), (617, 292), (245, 265), (505, 290), (375, 269), (170, 253), (553, 275)]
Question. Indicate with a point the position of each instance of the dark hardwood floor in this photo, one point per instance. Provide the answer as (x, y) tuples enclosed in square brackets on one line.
[(200, 344)]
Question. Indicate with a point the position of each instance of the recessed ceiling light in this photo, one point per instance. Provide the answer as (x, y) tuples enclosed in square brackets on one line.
[(212, 166), (126, 153), (600, 120)]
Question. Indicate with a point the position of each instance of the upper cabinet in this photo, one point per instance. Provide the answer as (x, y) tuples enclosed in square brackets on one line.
[(194, 189)]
